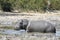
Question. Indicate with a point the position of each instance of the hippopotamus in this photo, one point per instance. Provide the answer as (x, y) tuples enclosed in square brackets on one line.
[(37, 26), (22, 24)]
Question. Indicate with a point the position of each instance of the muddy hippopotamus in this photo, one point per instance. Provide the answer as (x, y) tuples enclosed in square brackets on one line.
[(22, 24), (37, 26)]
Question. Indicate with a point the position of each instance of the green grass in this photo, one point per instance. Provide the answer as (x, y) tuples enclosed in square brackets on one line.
[(28, 5), (24, 5), (7, 27)]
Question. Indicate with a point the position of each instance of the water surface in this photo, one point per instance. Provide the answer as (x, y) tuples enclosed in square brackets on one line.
[(19, 32)]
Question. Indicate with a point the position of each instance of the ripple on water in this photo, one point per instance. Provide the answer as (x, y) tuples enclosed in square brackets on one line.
[(20, 32), (57, 33), (12, 32)]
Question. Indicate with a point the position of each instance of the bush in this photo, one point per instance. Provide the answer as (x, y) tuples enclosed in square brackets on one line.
[(25, 5), (5, 6), (55, 4), (35, 5)]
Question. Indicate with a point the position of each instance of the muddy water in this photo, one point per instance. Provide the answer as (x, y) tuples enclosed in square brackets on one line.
[(12, 31), (19, 32), (57, 33)]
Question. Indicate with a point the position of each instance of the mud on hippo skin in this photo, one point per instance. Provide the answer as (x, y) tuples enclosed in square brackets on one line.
[(37, 26)]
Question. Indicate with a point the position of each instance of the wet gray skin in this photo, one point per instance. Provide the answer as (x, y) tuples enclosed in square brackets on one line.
[(36, 26)]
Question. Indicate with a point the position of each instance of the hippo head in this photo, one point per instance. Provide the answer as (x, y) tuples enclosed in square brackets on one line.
[(23, 24)]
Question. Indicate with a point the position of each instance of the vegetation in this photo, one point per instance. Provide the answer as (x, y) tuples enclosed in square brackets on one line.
[(6, 27), (28, 5), (55, 4)]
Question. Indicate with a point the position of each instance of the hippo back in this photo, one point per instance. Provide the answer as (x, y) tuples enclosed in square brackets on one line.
[(40, 26)]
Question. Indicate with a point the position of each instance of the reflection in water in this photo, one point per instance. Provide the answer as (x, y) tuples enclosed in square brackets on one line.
[(57, 33), (12, 32), (20, 32)]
